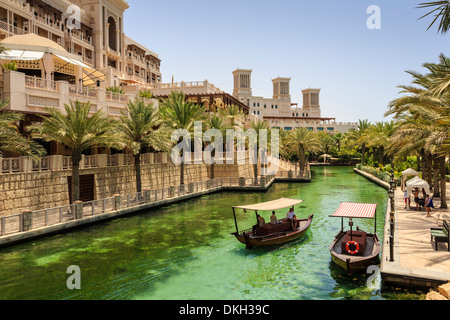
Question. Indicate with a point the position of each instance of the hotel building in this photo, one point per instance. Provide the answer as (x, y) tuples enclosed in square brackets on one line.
[(64, 51), (280, 112)]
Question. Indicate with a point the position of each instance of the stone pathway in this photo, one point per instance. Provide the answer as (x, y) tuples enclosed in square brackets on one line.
[(415, 254)]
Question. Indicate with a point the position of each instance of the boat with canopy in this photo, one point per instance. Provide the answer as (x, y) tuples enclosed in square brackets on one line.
[(355, 250), (269, 234)]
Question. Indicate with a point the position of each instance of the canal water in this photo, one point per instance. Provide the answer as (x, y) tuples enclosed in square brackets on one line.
[(185, 252)]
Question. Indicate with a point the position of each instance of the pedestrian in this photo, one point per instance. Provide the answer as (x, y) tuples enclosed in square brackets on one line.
[(428, 205), (416, 198), (407, 199)]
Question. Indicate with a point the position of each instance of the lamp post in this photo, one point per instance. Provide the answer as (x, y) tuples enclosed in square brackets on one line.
[(391, 193)]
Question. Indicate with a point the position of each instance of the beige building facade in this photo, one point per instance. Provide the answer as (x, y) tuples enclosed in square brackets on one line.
[(92, 30), (280, 112)]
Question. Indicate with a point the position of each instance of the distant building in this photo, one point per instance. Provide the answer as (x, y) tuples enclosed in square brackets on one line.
[(280, 112)]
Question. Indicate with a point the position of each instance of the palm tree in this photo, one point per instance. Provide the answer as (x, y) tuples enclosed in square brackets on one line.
[(360, 136), (426, 114), (326, 141), (180, 114), (10, 138), (233, 114), (303, 140), (378, 136), (216, 122), (338, 138), (77, 130), (140, 126), (262, 130), (442, 10)]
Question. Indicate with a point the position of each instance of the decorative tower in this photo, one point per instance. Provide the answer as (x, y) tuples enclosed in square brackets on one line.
[(311, 105), (281, 88), (242, 83)]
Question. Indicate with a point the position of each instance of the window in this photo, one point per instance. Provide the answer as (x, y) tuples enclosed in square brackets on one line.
[(310, 129), (276, 107), (330, 129), (265, 106), (288, 128), (320, 129)]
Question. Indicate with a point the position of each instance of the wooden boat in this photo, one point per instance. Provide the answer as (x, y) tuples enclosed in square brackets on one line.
[(272, 234), (355, 250)]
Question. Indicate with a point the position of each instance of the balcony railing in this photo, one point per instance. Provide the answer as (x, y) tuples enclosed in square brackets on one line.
[(12, 29), (115, 96), (82, 91), (39, 83)]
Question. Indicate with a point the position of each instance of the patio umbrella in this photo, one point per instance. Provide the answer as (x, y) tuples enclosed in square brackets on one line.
[(325, 157)]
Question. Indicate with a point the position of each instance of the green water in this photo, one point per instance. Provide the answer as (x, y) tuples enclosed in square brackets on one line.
[(185, 251)]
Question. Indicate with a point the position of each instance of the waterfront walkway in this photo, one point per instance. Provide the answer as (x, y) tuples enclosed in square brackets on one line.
[(416, 262)]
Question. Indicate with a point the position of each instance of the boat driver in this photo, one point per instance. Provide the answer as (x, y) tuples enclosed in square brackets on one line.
[(292, 218)]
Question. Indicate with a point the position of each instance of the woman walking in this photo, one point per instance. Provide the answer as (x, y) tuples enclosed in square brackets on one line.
[(428, 205)]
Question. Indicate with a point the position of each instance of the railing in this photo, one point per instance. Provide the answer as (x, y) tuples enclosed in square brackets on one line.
[(115, 96), (12, 29), (48, 217), (82, 91), (35, 82)]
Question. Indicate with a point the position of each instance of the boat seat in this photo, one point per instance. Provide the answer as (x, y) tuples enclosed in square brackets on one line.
[(358, 236), (272, 229)]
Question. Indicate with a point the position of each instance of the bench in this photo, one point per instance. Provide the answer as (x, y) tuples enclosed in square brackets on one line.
[(441, 235)]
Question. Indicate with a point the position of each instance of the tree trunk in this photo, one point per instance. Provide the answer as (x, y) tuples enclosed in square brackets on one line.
[(301, 157), (76, 159), (363, 154), (182, 173), (255, 170), (436, 180), (212, 172), (381, 154), (137, 169), (443, 183), (429, 170), (419, 162)]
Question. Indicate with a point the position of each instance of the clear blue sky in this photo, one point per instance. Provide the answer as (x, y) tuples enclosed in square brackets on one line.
[(318, 43)]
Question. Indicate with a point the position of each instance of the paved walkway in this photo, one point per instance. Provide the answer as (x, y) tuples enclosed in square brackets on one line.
[(415, 254)]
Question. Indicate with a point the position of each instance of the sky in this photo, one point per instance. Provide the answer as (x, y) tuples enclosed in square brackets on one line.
[(322, 44)]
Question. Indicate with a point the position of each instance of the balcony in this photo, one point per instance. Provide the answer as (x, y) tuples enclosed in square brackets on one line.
[(39, 83), (4, 26), (80, 38), (55, 27)]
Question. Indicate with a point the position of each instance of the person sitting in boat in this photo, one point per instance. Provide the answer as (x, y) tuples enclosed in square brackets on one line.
[(292, 218), (261, 221), (273, 218)]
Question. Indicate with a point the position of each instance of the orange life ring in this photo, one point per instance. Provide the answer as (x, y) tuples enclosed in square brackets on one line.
[(356, 244)]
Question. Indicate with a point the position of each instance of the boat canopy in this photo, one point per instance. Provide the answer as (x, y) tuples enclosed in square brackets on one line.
[(272, 205), (356, 210)]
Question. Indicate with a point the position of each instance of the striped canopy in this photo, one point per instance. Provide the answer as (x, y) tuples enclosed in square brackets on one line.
[(356, 210)]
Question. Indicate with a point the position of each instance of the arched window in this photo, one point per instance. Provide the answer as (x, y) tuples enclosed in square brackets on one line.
[(112, 33)]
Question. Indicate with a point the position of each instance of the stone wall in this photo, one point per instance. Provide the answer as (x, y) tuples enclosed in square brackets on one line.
[(33, 191)]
